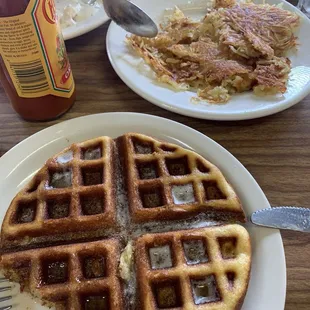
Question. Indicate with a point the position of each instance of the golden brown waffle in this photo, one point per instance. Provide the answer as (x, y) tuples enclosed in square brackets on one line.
[(72, 196), (166, 181), (203, 269), (78, 277), (80, 195)]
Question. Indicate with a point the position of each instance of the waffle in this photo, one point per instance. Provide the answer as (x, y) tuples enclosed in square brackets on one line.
[(74, 277), (74, 195), (64, 235), (195, 269), (71, 197), (165, 181)]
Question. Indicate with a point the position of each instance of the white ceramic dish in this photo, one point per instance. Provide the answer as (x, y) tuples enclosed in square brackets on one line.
[(268, 278), (86, 25), (242, 106)]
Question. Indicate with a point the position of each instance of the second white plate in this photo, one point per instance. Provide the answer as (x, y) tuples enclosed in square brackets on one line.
[(242, 106), (85, 26)]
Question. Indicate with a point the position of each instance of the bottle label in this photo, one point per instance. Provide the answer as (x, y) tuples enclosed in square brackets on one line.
[(34, 52)]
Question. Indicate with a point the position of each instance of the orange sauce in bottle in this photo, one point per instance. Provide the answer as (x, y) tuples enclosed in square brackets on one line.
[(34, 68)]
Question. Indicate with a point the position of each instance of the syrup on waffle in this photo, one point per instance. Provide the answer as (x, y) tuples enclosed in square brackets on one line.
[(115, 191), (165, 181), (77, 276), (204, 268), (71, 197)]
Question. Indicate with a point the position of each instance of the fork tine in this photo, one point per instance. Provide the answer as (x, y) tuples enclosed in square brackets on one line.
[(5, 298), (4, 280), (3, 289), (6, 288)]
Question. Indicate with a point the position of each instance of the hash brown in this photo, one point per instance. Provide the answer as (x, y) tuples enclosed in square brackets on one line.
[(234, 48)]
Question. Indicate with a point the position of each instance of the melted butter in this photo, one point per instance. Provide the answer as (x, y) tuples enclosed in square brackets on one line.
[(126, 261), (65, 158), (183, 194), (160, 257)]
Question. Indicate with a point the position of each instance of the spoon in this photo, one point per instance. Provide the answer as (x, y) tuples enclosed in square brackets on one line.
[(130, 17)]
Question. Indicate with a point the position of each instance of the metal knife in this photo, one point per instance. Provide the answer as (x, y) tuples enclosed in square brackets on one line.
[(289, 218)]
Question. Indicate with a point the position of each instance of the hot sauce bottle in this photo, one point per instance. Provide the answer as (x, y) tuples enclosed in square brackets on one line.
[(34, 67)]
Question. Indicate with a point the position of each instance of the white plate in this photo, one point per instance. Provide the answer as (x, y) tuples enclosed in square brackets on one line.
[(268, 278), (241, 106), (86, 25)]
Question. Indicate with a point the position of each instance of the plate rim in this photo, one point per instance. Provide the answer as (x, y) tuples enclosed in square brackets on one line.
[(296, 98), (56, 132), (85, 26)]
